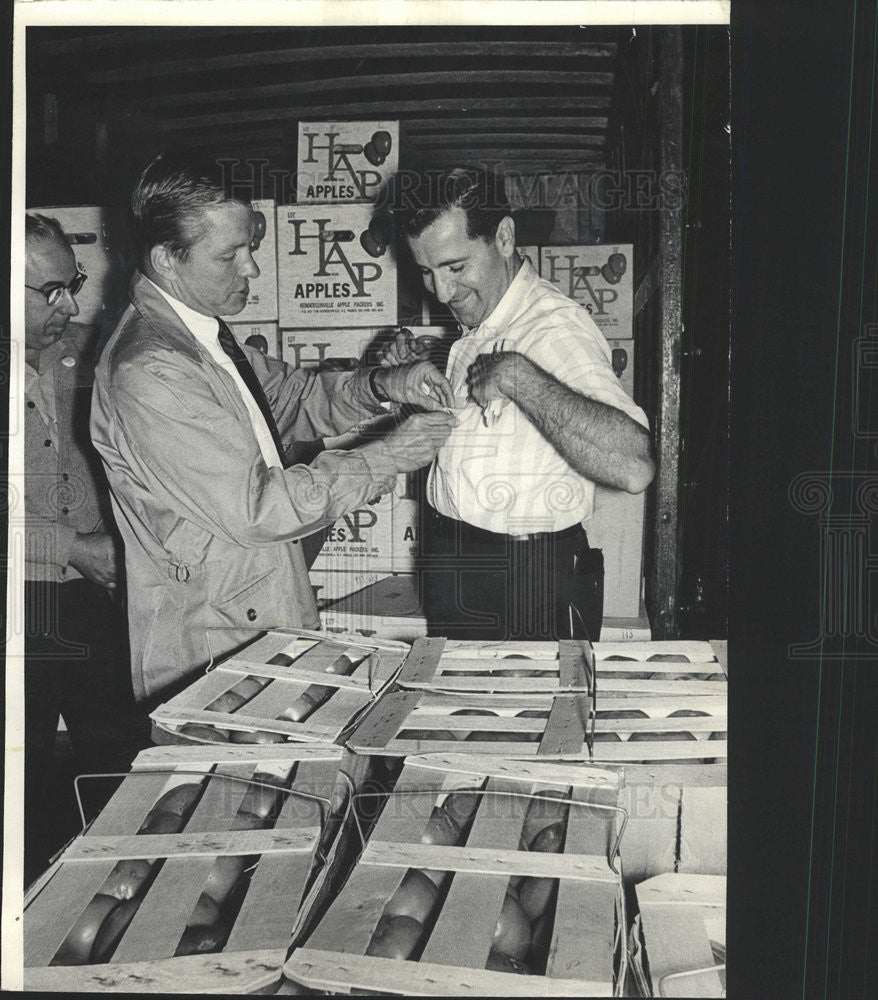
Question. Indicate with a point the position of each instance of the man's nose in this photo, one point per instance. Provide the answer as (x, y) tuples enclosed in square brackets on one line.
[(250, 268), (68, 304), (443, 287)]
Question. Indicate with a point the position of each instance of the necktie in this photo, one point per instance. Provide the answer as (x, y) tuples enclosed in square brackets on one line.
[(233, 350)]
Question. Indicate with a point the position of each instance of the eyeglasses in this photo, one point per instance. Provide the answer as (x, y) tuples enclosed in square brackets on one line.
[(55, 289)]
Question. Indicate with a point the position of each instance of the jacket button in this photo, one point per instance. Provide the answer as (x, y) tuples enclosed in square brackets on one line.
[(251, 615), (65, 510), (64, 476), (47, 443), (31, 404)]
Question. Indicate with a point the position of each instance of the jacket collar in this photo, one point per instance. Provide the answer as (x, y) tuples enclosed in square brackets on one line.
[(157, 313)]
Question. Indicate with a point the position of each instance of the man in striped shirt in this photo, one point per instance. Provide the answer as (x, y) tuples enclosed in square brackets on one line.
[(541, 419)]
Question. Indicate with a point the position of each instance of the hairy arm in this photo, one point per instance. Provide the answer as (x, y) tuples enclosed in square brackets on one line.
[(600, 442)]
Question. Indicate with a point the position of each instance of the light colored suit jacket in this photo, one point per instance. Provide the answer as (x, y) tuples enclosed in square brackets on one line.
[(211, 533)]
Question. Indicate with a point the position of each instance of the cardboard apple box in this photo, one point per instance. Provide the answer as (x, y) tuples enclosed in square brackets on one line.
[(262, 302), (331, 271), (627, 376), (269, 331), (345, 161), (532, 254), (310, 348), (616, 527), (375, 538), (599, 277)]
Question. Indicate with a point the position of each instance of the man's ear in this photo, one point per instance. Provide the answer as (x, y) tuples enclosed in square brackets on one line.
[(505, 238), (162, 261)]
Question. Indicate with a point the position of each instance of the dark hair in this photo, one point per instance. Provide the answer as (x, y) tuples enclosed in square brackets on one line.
[(43, 228), (423, 196), (168, 202)]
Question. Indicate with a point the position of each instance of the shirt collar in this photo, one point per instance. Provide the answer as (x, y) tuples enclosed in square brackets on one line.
[(47, 359), (508, 305), (203, 328)]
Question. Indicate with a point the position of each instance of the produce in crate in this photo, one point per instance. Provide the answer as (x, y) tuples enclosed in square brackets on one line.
[(231, 881), (267, 692), (468, 929)]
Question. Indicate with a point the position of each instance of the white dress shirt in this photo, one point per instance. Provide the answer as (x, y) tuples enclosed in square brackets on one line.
[(205, 329), (505, 476)]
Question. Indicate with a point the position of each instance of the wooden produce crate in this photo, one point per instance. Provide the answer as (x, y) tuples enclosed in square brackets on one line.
[(661, 703), (679, 937), (258, 854), (450, 890), (662, 714), (438, 664), (267, 691), (511, 725)]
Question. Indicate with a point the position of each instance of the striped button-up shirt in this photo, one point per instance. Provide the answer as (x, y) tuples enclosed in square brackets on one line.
[(505, 476)]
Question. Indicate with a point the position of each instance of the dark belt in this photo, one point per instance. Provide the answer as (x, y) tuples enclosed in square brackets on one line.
[(470, 531)]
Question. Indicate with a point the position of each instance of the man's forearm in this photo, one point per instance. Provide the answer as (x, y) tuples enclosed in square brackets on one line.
[(600, 442)]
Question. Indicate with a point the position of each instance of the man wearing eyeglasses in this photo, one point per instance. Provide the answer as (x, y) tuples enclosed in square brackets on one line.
[(75, 634)]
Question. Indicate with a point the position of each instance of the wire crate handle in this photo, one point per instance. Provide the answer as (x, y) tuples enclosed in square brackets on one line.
[(688, 972), (372, 650), (322, 800)]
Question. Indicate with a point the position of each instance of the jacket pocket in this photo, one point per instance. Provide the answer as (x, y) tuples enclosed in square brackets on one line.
[(249, 606)]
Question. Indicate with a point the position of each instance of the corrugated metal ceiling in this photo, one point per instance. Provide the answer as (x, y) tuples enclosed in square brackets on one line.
[(533, 98)]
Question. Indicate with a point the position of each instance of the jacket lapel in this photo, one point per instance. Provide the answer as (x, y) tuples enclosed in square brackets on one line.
[(165, 325)]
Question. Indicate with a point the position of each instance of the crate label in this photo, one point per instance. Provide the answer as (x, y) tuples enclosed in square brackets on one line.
[(262, 301), (262, 336), (332, 271), (345, 161), (623, 363), (600, 278), (345, 348), (376, 538)]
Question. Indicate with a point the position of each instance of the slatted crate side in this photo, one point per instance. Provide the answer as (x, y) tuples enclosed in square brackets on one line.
[(432, 666), (695, 651), (456, 951), (588, 778), (398, 712), (211, 974), (674, 686), (286, 859), (317, 651), (493, 650), (679, 916), (639, 725), (348, 694), (261, 713)]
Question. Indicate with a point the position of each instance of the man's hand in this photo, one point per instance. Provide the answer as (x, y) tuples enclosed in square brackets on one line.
[(406, 348), (420, 383), (496, 375), (94, 555), (415, 442)]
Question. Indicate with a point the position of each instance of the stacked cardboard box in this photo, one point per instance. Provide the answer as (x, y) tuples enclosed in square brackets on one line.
[(601, 279), (259, 317)]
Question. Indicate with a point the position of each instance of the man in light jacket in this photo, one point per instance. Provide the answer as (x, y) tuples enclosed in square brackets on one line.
[(197, 436)]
